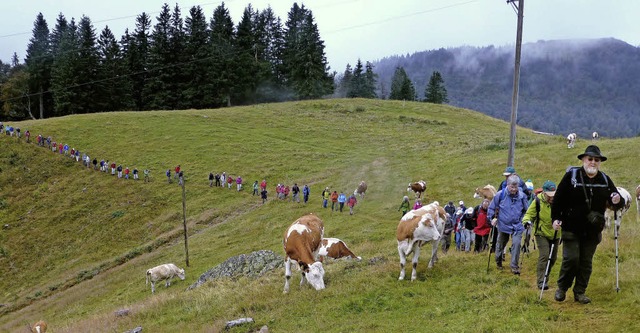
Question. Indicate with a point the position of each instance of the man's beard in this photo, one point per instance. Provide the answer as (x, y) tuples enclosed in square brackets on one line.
[(591, 171)]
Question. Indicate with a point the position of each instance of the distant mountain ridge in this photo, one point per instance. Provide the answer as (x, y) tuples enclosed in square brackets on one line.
[(566, 86)]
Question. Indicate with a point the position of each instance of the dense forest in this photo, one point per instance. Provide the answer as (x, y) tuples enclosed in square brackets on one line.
[(177, 63), (566, 86)]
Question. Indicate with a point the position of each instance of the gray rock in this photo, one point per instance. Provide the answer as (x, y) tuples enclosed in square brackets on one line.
[(122, 312), (135, 330), (239, 321), (253, 265)]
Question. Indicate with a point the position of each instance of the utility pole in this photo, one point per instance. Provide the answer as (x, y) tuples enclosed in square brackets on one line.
[(516, 80)]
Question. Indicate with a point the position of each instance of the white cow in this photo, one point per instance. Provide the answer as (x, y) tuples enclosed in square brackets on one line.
[(163, 272), (571, 140), (616, 212), (417, 228), (301, 243), (594, 136)]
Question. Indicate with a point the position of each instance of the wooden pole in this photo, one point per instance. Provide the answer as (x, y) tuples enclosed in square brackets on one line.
[(516, 84), (184, 220)]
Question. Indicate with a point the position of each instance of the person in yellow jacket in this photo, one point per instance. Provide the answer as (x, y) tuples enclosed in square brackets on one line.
[(538, 217)]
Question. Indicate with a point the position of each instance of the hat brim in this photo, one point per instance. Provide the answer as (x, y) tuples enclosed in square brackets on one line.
[(602, 158), (550, 193), (506, 173)]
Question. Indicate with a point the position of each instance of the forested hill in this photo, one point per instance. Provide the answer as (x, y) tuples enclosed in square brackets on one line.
[(565, 85)]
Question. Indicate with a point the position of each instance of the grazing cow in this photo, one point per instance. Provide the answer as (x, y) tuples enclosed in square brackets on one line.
[(361, 190), (638, 198), (617, 211), (301, 243), (571, 140), (417, 187), (163, 272), (39, 327), (335, 248), (486, 192), (594, 136), (417, 228)]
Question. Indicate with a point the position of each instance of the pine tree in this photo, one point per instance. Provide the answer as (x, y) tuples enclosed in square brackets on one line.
[(370, 78), (158, 88), (247, 62), (222, 69), (304, 60), (344, 85), (38, 64), (64, 76), (136, 53), (270, 48), (435, 92), (356, 86), (87, 67), (198, 91), (113, 80), (401, 87)]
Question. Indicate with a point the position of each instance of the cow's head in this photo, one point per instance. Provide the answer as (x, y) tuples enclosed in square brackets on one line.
[(181, 273), (315, 275)]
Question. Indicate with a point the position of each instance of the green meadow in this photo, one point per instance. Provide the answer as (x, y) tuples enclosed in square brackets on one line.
[(76, 243)]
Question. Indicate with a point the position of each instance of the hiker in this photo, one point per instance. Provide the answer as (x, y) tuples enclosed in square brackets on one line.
[(505, 212), (578, 208)]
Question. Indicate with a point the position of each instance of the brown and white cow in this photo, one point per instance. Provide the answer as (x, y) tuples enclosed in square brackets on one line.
[(163, 272), (39, 327), (418, 187), (638, 199), (301, 243), (361, 190), (417, 228), (486, 192), (335, 248), (616, 212)]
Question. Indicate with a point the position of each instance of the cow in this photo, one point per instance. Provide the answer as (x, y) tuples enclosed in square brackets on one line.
[(335, 248), (301, 242), (361, 190), (417, 187), (638, 199), (417, 228), (39, 327), (571, 140), (616, 212), (163, 272), (486, 192), (595, 136)]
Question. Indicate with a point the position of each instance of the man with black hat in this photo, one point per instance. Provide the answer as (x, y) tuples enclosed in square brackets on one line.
[(578, 208)]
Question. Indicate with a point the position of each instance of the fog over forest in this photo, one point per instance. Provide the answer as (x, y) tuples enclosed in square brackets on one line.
[(566, 86)]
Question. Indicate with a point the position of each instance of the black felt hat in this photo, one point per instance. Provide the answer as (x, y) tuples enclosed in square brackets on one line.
[(592, 151)]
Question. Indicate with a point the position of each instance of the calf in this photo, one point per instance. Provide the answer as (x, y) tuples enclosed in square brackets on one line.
[(361, 190), (594, 136), (163, 272), (418, 187), (335, 248), (486, 192), (616, 212), (301, 243), (39, 327), (417, 228), (571, 140)]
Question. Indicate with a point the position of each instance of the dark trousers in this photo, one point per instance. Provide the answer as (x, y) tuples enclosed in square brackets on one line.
[(577, 260), (544, 247), (480, 243)]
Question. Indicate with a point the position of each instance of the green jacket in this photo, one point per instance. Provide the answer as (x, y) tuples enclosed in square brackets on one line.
[(543, 227)]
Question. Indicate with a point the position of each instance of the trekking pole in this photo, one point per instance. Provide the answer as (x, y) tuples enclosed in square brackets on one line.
[(546, 271), (615, 231), (490, 246)]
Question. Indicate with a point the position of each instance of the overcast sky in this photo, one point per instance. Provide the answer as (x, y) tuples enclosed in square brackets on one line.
[(365, 29)]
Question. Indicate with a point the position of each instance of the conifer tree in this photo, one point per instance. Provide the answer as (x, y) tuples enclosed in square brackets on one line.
[(114, 83), (401, 87), (136, 53), (270, 48), (199, 90), (344, 86), (38, 63), (222, 69), (65, 79), (247, 62), (86, 68), (435, 92)]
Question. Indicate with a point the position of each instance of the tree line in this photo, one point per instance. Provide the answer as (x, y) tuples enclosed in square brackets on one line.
[(178, 63)]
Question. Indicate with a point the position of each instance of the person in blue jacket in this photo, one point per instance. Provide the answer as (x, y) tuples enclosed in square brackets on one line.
[(506, 212)]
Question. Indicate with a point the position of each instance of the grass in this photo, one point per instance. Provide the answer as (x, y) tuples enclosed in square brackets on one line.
[(78, 241)]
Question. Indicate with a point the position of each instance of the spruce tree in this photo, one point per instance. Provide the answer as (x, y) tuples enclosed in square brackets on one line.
[(113, 80), (222, 69), (401, 87), (65, 79), (158, 88), (247, 62), (199, 89), (270, 48), (86, 67), (38, 63), (435, 92), (344, 86), (356, 86), (136, 53), (370, 78)]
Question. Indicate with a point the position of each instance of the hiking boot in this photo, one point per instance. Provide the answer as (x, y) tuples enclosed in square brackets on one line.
[(581, 298), (515, 271), (546, 287), (499, 266), (561, 295)]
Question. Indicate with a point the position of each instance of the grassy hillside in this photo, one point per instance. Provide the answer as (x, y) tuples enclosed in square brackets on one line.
[(78, 242)]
